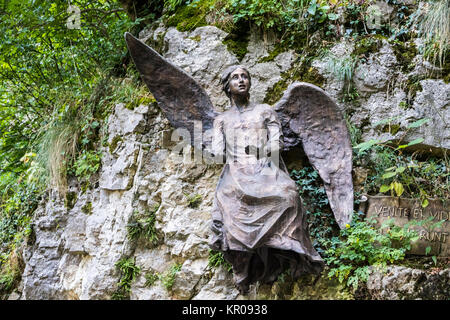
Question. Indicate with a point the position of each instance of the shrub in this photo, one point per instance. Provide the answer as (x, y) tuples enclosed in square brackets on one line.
[(362, 245)]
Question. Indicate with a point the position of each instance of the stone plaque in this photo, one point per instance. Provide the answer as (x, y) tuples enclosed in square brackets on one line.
[(403, 210)]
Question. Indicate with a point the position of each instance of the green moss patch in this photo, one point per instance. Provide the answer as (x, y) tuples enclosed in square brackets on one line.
[(412, 87), (279, 48), (194, 200), (236, 46), (196, 38), (146, 99), (70, 200), (87, 208), (405, 53), (304, 73), (191, 16), (114, 142), (367, 45), (237, 40)]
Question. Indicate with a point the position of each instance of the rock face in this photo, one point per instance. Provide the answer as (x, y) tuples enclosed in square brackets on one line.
[(401, 283), (374, 75), (383, 95), (78, 242)]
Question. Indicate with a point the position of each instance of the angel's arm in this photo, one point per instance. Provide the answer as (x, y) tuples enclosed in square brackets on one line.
[(274, 132)]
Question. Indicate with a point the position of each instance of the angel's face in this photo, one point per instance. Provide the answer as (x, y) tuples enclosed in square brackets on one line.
[(239, 82)]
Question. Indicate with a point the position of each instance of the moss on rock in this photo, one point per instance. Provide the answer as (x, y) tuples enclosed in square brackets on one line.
[(367, 45), (197, 38), (145, 99), (279, 48), (412, 87), (114, 142), (191, 16), (307, 287), (70, 200), (405, 53), (304, 73), (238, 46), (237, 40), (87, 208)]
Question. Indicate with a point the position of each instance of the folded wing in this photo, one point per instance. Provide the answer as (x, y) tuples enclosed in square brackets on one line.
[(310, 117)]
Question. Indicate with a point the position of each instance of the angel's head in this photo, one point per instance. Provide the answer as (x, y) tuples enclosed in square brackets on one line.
[(236, 81)]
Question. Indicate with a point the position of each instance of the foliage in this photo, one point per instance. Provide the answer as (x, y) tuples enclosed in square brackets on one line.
[(18, 199), (343, 69), (362, 245), (172, 5), (434, 26), (151, 278), (56, 89), (319, 216), (128, 272), (194, 200), (10, 272), (42, 61), (265, 13), (403, 174), (46, 67), (190, 16), (168, 278), (216, 259), (7, 280), (144, 226), (87, 164)]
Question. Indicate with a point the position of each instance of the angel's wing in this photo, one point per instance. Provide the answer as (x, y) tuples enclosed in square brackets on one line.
[(181, 98), (309, 116)]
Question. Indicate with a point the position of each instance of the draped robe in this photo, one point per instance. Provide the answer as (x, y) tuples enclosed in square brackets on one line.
[(258, 220)]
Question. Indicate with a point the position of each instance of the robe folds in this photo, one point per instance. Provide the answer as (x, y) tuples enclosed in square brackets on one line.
[(258, 220)]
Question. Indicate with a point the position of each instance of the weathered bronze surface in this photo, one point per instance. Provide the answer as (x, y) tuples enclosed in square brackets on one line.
[(309, 116), (258, 219), (181, 98), (404, 210)]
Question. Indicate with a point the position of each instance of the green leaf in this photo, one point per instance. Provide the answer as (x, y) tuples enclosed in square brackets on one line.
[(427, 250), (367, 145), (312, 9), (388, 175), (332, 16), (417, 123), (416, 141), (425, 203), (434, 260), (385, 121), (398, 188), (400, 169), (385, 188)]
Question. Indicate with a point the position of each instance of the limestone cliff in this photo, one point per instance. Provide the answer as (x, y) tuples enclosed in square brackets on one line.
[(76, 244)]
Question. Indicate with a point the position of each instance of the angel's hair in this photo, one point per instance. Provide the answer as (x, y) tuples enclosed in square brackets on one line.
[(225, 80)]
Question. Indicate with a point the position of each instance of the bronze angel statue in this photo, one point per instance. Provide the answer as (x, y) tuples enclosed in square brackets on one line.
[(258, 221)]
